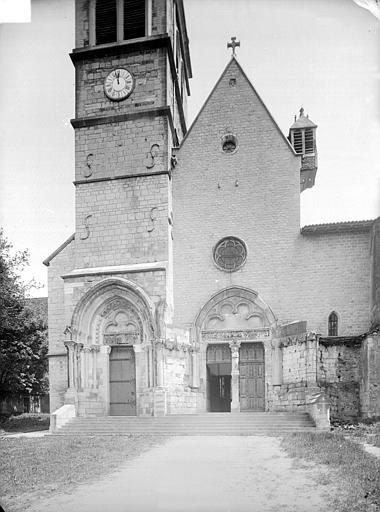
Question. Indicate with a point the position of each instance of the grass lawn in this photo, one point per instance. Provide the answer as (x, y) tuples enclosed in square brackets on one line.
[(356, 471), (32, 467)]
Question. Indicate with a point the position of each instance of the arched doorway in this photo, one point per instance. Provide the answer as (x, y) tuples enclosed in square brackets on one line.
[(111, 350), (234, 332)]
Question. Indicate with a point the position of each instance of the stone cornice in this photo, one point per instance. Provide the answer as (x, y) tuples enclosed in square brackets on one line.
[(122, 177), (85, 122), (155, 266)]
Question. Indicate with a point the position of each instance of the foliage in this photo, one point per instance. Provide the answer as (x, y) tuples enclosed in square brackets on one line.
[(355, 469), (27, 422), (23, 334)]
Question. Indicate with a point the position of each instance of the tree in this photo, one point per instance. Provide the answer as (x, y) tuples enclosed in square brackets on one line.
[(23, 334)]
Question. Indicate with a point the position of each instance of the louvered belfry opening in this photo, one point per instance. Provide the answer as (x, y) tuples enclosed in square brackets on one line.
[(134, 18), (297, 141), (106, 21), (309, 141), (108, 14)]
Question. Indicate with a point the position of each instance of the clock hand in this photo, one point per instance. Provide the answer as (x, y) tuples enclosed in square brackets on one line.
[(117, 76)]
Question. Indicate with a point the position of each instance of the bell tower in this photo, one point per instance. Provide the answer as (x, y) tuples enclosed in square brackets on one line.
[(132, 71), (302, 136)]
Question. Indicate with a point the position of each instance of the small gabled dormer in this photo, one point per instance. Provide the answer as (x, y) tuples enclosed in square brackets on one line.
[(302, 136)]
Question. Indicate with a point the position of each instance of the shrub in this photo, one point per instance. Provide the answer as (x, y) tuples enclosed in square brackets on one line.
[(27, 422)]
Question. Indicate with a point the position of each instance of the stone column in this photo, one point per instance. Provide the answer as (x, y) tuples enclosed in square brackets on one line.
[(86, 379), (70, 347), (150, 379), (159, 393), (235, 376), (71, 393), (78, 366), (194, 368), (95, 350), (160, 363), (277, 363), (105, 351)]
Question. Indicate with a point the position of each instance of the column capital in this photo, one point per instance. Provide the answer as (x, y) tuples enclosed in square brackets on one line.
[(234, 346), (69, 344)]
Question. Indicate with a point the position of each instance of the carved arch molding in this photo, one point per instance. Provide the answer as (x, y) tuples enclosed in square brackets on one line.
[(238, 311), (114, 312)]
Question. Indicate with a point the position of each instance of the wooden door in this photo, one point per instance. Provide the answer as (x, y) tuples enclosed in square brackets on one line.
[(122, 382), (252, 382)]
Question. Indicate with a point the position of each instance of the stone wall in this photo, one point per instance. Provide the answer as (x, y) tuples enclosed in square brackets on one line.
[(58, 378), (370, 376), (128, 222), (253, 194)]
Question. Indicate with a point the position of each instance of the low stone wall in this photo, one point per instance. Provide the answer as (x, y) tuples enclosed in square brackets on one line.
[(344, 399), (61, 416), (370, 377), (289, 397)]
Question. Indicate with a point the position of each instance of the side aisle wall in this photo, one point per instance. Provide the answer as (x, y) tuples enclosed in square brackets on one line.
[(58, 371)]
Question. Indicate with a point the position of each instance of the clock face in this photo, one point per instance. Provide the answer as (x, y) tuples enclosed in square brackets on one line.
[(119, 84)]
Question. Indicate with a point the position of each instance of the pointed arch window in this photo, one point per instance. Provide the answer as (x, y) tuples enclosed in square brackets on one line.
[(333, 324), (120, 20)]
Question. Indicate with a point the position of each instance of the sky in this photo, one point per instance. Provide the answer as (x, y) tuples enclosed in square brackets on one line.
[(322, 55)]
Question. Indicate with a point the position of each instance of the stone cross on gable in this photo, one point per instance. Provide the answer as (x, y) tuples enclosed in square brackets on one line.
[(233, 45)]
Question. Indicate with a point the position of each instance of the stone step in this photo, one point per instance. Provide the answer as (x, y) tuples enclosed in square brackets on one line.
[(276, 432), (200, 424)]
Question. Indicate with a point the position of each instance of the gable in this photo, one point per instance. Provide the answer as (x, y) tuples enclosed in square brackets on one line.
[(233, 91)]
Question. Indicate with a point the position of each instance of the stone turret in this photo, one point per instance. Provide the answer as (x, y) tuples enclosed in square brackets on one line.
[(302, 136)]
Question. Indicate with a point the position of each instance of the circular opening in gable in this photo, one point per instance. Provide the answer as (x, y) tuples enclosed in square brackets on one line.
[(229, 143)]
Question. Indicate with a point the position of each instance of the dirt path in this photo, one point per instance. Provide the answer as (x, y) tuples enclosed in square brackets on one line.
[(203, 474)]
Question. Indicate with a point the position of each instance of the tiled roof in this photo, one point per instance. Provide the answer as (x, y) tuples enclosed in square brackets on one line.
[(338, 227)]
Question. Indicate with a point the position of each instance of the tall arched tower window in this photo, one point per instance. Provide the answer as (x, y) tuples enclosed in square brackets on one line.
[(119, 20), (333, 324)]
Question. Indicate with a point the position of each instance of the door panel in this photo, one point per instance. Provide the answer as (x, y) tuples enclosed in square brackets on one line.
[(122, 382), (252, 385)]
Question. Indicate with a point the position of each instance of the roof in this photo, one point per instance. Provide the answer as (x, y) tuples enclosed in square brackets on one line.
[(338, 227), (302, 122), (57, 251)]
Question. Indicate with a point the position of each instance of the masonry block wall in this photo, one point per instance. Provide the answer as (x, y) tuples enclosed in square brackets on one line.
[(58, 370), (370, 376), (122, 222), (252, 194), (339, 373), (334, 275)]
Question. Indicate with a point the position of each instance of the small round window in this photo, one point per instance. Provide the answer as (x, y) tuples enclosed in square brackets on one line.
[(229, 143), (230, 254)]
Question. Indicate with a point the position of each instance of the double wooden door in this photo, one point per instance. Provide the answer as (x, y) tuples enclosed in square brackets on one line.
[(252, 381), (122, 382)]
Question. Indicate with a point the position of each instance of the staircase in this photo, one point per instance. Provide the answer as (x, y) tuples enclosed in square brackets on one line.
[(207, 424)]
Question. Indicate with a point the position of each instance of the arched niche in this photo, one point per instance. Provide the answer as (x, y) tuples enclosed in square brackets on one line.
[(113, 307)]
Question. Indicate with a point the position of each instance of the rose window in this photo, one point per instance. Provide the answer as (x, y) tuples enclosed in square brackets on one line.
[(230, 254)]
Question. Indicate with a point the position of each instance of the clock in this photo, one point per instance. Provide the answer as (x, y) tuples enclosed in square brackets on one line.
[(119, 84)]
